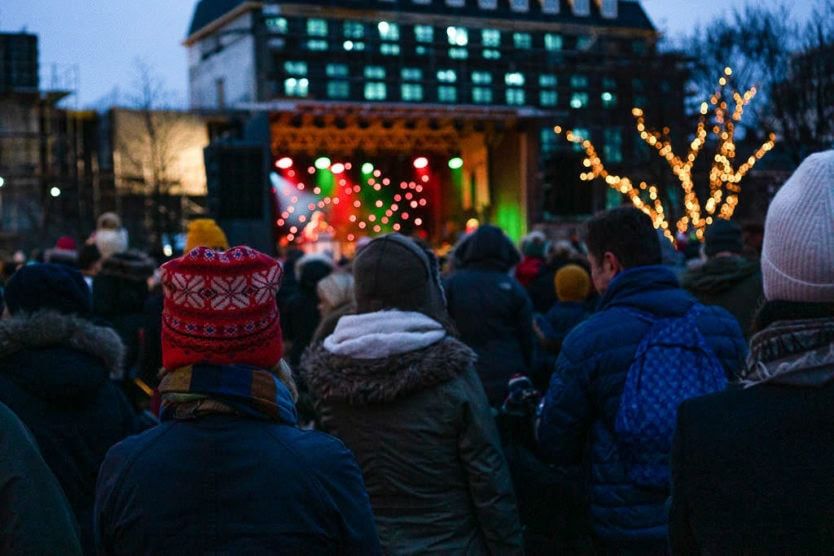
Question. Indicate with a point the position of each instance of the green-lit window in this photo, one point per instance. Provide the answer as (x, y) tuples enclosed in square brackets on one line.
[(412, 92), (458, 53), (548, 98), (522, 40), (458, 36), (317, 27), (481, 77), (547, 141), (514, 79), (421, 50), (374, 72), (316, 44), (338, 89), (292, 67), (491, 38), (609, 99), (337, 70), (424, 33), (447, 76), (515, 96), (552, 41), (491, 54), (481, 95), (375, 91), (579, 81), (353, 29), (411, 74), (579, 100), (388, 31), (447, 93), (584, 42), (389, 49), (547, 80), (613, 148), (277, 25), (295, 87)]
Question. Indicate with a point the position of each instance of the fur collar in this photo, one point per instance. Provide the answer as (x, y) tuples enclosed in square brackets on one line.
[(337, 378), (51, 329)]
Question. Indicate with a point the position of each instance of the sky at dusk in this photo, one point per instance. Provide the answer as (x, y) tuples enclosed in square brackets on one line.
[(104, 38)]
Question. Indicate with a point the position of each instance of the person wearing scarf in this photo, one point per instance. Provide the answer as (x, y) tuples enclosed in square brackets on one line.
[(402, 392), (752, 466), (228, 471)]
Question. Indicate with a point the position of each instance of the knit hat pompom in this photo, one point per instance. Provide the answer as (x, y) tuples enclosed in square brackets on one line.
[(798, 253), (204, 232), (220, 308), (572, 283)]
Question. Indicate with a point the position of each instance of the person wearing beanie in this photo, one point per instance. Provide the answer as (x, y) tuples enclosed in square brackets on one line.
[(228, 471), (402, 393), (204, 232), (55, 370), (533, 249), (727, 279), (491, 310), (540, 290), (110, 237), (763, 449), (65, 252), (301, 315)]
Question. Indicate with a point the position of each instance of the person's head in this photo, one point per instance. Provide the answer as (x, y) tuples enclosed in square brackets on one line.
[(335, 291), (89, 259), (620, 239), (46, 286), (572, 283), (798, 253), (312, 269), (723, 238), (487, 248), (220, 308), (110, 237), (561, 250), (393, 272), (534, 245), (204, 232)]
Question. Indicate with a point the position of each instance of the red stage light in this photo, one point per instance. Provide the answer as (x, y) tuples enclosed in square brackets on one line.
[(421, 162), (284, 163)]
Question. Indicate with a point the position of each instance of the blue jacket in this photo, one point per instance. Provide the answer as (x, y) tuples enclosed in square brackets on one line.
[(225, 484), (581, 404)]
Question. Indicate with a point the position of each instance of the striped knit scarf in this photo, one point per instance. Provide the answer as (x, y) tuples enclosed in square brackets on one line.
[(189, 392)]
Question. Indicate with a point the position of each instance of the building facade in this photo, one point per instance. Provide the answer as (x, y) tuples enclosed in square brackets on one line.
[(486, 80)]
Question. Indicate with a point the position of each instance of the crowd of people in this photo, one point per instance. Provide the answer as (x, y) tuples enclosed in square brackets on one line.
[(605, 394)]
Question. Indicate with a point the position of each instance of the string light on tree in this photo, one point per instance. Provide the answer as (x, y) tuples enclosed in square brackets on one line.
[(725, 178)]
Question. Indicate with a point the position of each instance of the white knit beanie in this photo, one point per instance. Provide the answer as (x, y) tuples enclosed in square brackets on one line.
[(798, 253)]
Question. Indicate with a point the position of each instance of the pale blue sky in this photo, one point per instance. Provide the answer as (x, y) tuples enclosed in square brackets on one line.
[(105, 37)]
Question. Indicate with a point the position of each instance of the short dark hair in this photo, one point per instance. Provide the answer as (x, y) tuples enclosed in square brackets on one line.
[(88, 256), (628, 233)]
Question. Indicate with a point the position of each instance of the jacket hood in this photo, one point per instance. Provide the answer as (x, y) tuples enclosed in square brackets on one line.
[(719, 274), (360, 382), (653, 289), (488, 248), (58, 356)]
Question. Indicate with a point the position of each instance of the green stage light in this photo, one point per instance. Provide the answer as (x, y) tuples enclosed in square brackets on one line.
[(455, 163), (322, 163), (367, 168)]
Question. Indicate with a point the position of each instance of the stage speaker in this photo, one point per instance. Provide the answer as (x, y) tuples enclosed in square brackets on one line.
[(236, 181)]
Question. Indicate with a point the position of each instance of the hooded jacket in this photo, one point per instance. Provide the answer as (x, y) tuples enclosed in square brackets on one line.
[(581, 404), (491, 310), (421, 429), (733, 283), (55, 375)]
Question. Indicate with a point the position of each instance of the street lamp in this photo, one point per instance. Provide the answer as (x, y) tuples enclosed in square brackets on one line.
[(55, 191)]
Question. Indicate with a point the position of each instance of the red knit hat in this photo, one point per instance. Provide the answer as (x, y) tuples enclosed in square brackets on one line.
[(220, 308)]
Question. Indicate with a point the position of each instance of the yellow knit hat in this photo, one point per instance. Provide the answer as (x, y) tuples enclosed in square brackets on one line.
[(204, 232), (572, 283)]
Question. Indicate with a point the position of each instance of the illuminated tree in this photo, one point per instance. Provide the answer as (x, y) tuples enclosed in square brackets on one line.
[(725, 177)]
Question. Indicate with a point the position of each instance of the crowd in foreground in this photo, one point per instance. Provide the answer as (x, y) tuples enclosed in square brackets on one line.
[(590, 397)]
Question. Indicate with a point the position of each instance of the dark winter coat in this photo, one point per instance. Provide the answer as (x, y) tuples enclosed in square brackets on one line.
[(422, 431), (55, 375), (226, 484), (585, 390), (734, 283), (34, 515), (555, 326), (542, 289), (751, 467), (491, 310), (301, 316)]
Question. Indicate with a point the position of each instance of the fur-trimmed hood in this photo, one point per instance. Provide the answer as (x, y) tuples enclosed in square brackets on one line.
[(41, 331), (358, 382)]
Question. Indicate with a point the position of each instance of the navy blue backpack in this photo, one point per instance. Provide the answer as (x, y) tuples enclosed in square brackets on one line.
[(673, 363)]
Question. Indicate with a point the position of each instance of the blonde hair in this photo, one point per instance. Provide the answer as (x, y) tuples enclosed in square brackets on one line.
[(336, 290)]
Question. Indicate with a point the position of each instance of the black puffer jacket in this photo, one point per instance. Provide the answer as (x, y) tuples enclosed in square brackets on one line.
[(491, 310), (55, 375), (422, 432)]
